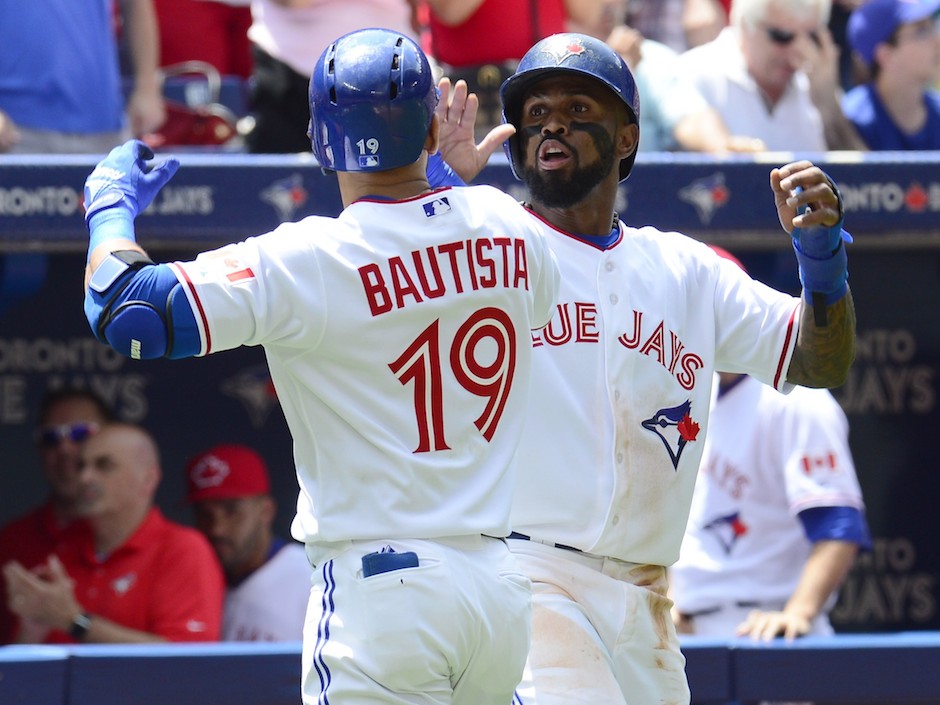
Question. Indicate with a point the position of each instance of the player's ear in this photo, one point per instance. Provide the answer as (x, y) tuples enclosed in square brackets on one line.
[(434, 135), (627, 139)]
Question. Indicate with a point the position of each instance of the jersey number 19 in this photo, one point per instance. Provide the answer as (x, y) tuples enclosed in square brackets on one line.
[(421, 363)]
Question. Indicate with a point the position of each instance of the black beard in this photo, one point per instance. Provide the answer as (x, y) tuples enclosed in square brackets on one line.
[(556, 191)]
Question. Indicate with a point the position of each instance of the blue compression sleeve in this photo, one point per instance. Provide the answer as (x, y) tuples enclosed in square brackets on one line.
[(836, 523), (116, 222), (820, 252)]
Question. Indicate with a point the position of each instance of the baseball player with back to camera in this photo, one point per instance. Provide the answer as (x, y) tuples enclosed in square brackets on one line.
[(398, 337), (623, 372)]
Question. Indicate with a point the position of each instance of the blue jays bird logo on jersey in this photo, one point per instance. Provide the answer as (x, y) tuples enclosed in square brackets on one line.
[(675, 428), (727, 530), (706, 195)]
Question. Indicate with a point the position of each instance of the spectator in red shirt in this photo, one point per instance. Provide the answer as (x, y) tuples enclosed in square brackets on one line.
[(463, 38), (66, 417), (135, 576), (213, 31)]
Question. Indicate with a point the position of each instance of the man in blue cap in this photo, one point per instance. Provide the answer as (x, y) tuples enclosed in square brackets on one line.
[(898, 42)]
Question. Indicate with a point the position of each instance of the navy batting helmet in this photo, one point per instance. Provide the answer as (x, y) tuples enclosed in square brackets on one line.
[(565, 54), (372, 98)]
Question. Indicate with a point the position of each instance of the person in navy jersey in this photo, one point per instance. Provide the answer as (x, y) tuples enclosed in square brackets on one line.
[(898, 42)]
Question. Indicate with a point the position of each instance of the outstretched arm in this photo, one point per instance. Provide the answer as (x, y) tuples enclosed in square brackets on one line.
[(810, 209), (132, 304)]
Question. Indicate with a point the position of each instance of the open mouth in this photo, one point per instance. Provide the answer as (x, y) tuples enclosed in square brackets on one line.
[(553, 154)]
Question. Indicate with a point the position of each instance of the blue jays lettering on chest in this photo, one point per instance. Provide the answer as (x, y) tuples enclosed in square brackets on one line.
[(576, 322)]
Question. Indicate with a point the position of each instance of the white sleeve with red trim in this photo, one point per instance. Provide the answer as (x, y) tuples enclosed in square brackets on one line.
[(247, 293), (755, 323)]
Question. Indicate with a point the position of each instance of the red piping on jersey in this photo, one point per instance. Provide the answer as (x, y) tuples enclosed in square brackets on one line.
[(786, 345), (378, 199), (575, 237), (202, 313)]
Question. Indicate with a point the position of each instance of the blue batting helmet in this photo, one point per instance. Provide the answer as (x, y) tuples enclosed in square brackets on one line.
[(565, 54), (372, 98)]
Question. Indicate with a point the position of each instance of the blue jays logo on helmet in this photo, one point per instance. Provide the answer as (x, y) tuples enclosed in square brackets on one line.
[(565, 54), (372, 99)]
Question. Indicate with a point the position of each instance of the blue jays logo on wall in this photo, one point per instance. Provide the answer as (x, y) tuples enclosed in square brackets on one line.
[(706, 195), (675, 428), (286, 196), (562, 48), (727, 530), (255, 390)]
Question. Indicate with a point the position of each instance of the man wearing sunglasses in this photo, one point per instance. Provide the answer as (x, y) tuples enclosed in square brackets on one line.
[(899, 44), (134, 576), (773, 75), (67, 416)]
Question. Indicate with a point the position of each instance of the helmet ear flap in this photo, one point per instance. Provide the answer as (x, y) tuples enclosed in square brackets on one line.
[(372, 98), (565, 54)]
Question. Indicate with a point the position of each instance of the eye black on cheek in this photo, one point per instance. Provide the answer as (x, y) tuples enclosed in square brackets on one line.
[(530, 131)]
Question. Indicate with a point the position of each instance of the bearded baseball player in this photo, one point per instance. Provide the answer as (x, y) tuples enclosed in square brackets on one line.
[(623, 372), (398, 337)]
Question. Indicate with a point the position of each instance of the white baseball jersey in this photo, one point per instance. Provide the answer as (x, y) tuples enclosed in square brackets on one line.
[(767, 458), (624, 376), (271, 603), (398, 340)]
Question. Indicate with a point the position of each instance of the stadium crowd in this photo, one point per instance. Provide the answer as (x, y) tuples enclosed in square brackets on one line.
[(716, 76)]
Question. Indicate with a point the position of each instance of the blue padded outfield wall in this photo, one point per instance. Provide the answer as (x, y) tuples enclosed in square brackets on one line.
[(893, 210), (888, 669)]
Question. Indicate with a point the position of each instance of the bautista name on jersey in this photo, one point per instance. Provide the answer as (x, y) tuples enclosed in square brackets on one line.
[(465, 265)]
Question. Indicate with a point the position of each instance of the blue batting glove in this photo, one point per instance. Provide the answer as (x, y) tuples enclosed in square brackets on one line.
[(820, 252), (124, 177)]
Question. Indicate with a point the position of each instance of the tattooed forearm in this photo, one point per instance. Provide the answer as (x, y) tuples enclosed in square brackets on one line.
[(824, 355)]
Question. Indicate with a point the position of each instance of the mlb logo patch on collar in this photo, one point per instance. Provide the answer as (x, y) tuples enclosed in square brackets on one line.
[(439, 206)]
